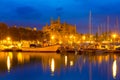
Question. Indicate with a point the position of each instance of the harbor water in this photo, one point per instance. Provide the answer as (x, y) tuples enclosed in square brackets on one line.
[(53, 66)]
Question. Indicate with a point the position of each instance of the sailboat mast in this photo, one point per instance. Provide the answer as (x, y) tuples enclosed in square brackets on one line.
[(117, 25), (108, 22), (108, 19), (90, 23), (98, 30)]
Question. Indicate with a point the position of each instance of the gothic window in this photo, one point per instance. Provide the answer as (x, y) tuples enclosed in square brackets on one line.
[(61, 26)]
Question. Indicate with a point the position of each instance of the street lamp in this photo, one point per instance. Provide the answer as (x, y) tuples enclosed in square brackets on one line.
[(114, 36), (8, 38), (52, 37), (83, 37), (71, 36)]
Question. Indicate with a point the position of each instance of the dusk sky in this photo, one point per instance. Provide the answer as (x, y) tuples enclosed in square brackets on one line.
[(36, 13)]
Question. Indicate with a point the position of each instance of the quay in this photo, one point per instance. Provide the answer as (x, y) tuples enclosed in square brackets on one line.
[(52, 49), (29, 49), (62, 49)]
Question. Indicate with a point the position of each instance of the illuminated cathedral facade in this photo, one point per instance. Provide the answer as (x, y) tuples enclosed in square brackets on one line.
[(59, 31)]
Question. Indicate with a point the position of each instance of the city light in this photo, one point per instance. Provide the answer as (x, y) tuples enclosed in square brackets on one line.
[(8, 38), (52, 65), (8, 63), (60, 42), (71, 36), (65, 60), (114, 68), (71, 63), (20, 58), (19, 45), (52, 37), (114, 36), (83, 37)]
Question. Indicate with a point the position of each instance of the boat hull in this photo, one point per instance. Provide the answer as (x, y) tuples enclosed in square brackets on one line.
[(42, 49)]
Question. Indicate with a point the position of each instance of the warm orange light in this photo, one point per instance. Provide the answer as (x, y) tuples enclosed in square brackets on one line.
[(71, 63), (52, 65), (100, 59), (114, 68), (71, 36), (114, 36), (52, 37), (83, 37), (8, 63), (19, 45), (78, 42), (65, 36), (60, 42), (20, 58), (8, 38), (10, 54), (65, 60)]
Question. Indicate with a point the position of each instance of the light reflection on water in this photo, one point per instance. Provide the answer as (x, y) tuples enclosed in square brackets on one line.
[(65, 60), (52, 66), (8, 63), (114, 69)]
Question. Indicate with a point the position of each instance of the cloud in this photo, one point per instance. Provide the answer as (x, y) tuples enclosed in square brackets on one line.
[(59, 11), (27, 12)]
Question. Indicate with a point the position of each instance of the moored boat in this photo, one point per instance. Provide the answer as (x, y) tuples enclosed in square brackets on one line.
[(52, 48)]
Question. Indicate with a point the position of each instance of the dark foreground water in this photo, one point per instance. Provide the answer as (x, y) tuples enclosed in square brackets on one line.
[(52, 66)]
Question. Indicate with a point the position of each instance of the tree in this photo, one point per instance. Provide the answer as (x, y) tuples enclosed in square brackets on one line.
[(14, 33), (3, 31)]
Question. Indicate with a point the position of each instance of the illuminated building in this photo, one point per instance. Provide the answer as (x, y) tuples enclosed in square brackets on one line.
[(35, 29), (59, 30), (56, 26)]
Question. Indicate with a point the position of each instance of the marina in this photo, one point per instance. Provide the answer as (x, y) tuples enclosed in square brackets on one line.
[(64, 39), (59, 40), (65, 49), (45, 66)]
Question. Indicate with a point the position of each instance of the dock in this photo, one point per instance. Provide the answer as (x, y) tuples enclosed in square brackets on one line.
[(53, 48)]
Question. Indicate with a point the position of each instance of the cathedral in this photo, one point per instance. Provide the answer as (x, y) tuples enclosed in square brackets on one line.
[(59, 30), (57, 26)]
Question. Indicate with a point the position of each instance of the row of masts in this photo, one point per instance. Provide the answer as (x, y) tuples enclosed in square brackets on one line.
[(90, 23), (100, 27)]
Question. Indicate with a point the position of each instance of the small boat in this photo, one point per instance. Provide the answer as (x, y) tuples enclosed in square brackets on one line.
[(69, 49), (10, 48), (101, 51), (52, 48)]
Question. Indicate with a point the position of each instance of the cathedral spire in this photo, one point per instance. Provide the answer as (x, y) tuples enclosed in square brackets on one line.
[(51, 20), (59, 19), (47, 24)]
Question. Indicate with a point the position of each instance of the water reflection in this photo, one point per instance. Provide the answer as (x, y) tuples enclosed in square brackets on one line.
[(10, 54), (52, 65), (9, 60), (20, 58), (8, 63), (114, 68), (94, 67), (71, 63), (65, 60)]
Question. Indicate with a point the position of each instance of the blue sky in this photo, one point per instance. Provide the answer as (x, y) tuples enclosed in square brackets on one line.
[(36, 13)]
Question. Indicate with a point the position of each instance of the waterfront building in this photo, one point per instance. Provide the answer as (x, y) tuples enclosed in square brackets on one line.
[(60, 32), (34, 29)]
